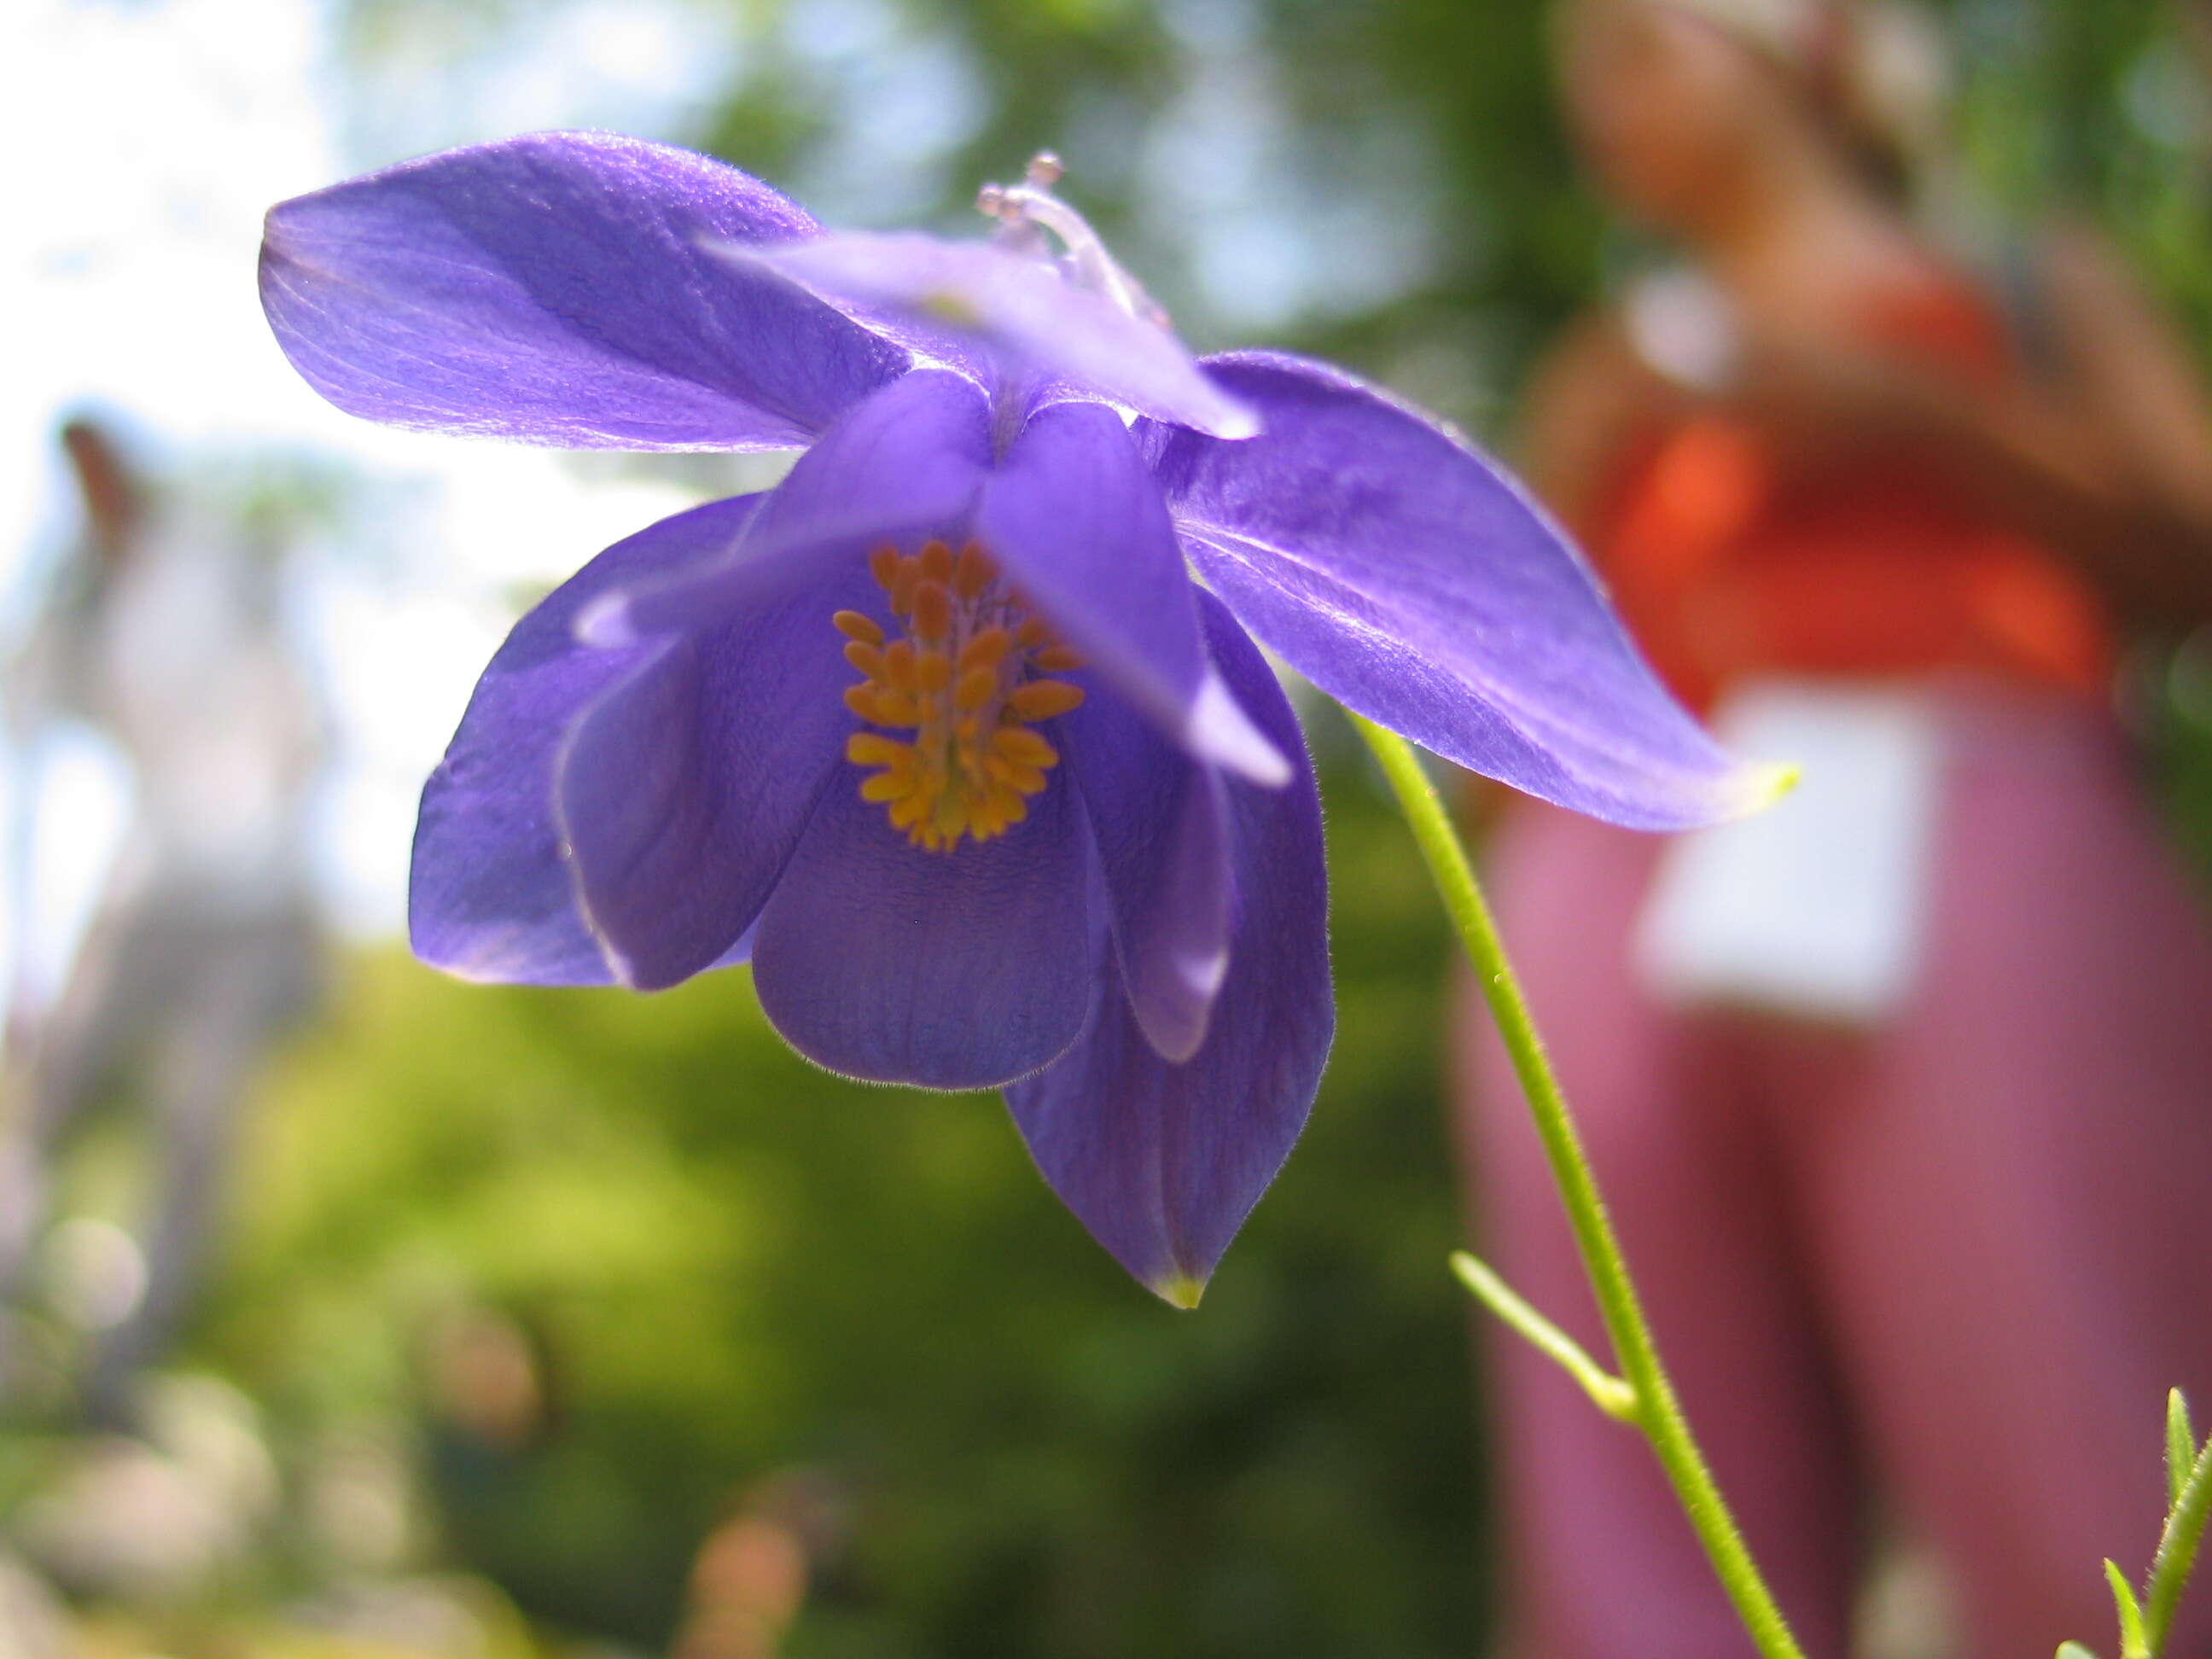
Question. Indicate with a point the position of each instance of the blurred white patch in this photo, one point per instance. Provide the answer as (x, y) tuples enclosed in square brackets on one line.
[(96, 1273), (71, 801), (1680, 323), (154, 1522), (1816, 906)]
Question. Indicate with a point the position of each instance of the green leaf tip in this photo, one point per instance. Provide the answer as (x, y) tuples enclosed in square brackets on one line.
[(2132, 1642), (2180, 1447), (2074, 1650)]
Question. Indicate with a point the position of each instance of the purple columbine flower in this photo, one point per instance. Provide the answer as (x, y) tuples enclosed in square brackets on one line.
[(940, 733)]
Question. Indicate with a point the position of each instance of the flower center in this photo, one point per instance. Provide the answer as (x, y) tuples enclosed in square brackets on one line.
[(966, 678)]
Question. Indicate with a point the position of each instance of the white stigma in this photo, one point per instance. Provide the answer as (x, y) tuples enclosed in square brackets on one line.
[(1024, 210)]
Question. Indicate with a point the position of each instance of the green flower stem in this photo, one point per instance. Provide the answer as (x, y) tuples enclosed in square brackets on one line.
[(1657, 1413)]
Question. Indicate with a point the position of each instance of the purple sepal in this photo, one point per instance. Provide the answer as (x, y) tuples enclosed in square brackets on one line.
[(903, 465), (1410, 579), (1073, 517), (1008, 317), (490, 895), (558, 288), (684, 790), (1160, 821), (1163, 1162), (946, 970)]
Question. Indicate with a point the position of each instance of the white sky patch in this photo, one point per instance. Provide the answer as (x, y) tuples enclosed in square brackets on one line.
[(447, 74), (72, 835), (151, 136), (1292, 224)]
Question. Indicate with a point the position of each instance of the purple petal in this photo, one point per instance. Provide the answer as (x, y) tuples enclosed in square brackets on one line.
[(949, 970), (1163, 1162), (490, 895), (684, 789), (1410, 579), (1031, 320), (1160, 822), (900, 467), (1073, 516), (557, 289)]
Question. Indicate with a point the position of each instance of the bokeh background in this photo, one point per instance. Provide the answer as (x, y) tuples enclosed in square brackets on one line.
[(355, 1311)]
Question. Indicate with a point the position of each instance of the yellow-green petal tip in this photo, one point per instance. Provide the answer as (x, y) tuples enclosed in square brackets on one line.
[(1180, 1290), (1761, 784)]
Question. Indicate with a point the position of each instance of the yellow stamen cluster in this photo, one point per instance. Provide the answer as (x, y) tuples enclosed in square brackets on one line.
[(967, 679)]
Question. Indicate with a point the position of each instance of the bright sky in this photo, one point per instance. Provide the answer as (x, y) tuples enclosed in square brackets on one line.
[(151, 136)]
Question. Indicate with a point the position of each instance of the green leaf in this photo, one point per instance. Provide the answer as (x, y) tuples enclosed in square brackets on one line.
[(2176, 1550), (2074, 1650), (2180, 1447), (2132, 1645)]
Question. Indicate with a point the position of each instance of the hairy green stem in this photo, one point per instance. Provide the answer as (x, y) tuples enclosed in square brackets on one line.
[(1657, 1413)]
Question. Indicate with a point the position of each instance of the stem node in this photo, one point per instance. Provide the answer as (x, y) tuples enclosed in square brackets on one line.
[(1608, 1393)]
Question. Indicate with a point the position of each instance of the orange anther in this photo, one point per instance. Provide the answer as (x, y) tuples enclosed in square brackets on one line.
[(987, 650), (932, 611), (1019, 746), (873, 748), (976, 687), (973, 574), (898, 665), (1041, 700), (904, 583), (969, 758)]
